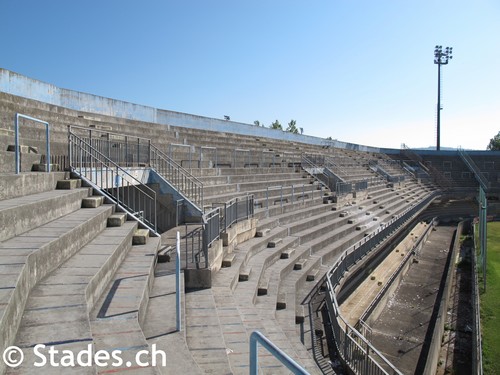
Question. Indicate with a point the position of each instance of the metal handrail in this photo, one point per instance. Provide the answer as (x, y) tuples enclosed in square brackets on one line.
[(183, 181), (112, 180), (16, 136), (258, 338), (349, 338), (474, 169), (307, 163)]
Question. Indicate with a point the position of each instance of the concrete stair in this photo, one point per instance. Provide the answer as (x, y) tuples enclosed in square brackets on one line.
[(118, 317)]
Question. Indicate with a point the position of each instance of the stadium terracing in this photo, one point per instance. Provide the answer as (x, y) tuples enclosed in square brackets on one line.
[(300, 244)]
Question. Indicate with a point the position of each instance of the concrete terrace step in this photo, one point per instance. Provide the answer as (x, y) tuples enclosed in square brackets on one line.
[(28, 258), (19, 215), (160, 325), (58, 315), (18, 185), (117, 319)]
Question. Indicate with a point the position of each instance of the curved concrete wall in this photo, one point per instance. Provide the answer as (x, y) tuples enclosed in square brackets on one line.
[(19, 85)]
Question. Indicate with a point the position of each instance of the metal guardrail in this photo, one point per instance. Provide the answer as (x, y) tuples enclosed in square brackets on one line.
[(477, 354), (112, 180), (235, 210), (483, 182), (258, 338), (314, 170), (16, 136), (439, 178), (353, 348), (183, 181)]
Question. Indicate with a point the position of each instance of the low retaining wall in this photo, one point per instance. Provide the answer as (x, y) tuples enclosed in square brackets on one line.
[(437, 335), (375, 308)]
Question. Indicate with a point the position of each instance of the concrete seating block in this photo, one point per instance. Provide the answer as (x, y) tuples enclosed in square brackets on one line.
[(311, 275), (274, 243), (286, 254), (281, 301), (300, 314), (69, 184), (140, 237), (344, 214), (23, 149), (299, 264), (228, 260), (92, 202), (245, 274), (262, 232), (361, 227), (263, 286), (42, 167), (117, 219), (351, 221)]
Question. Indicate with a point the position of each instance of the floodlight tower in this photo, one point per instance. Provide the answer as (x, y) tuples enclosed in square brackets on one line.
[(440, 58)]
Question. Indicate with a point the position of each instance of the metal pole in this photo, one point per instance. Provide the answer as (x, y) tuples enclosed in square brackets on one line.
[(438, 142), (178, 282), (16, 132)]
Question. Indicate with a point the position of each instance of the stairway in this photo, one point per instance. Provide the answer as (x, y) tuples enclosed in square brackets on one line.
[(74, 273)]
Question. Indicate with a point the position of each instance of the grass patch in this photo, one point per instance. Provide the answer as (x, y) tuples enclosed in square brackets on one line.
[(490, 303)]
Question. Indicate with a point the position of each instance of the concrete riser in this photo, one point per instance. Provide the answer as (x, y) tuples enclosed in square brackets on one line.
[(13, 186), (39, 264), (34, 214)]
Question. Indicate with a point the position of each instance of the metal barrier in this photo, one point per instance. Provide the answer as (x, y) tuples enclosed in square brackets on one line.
[(115, 182), (182, 147), (311, 167), (183, 181), (124, 150), (17, 146), (235, 210), (258, 338), (353, 348), (477, 354)]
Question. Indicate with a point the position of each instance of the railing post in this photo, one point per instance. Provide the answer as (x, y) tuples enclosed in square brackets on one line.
[(178, 282)]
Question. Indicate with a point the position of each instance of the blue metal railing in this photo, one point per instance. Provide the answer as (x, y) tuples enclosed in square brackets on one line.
[(16, 131), (258, 338)]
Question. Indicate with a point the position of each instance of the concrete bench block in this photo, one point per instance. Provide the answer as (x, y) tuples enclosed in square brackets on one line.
[(281, 301), (42, 167), (245, 274), (275, 242), (228, 260), (286, 254), (23, 149), (117, 219), (311, 275), (300, 314), (344, 214), (92, 202), (140, 237), (262, 232), (361, 227), (69, 184), (300, 264), (351, 221), (263, 286)]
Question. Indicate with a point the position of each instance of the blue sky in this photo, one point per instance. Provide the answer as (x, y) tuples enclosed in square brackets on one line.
[(357, 71)]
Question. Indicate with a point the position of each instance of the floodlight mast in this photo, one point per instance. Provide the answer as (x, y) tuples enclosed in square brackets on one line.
[(440, 58)]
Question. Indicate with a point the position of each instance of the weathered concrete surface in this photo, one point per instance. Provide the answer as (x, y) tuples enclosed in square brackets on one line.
[(402, 328)]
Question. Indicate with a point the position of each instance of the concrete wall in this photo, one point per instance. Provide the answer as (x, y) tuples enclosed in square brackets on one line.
[(19, 85)]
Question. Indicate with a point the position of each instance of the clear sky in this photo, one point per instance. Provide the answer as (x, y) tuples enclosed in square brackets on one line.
[(357, 71)]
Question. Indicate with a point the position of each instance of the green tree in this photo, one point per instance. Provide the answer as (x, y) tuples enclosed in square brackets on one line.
[(292, 127), (494, 144), (276, 125), (257, 123)]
